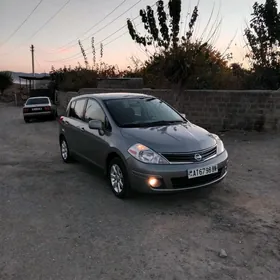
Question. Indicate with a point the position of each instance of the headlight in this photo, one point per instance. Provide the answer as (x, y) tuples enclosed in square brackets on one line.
[(146, 155), (220, 144)]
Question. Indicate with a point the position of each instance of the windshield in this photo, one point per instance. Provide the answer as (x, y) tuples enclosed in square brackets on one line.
[(142, 112), (35, 101)]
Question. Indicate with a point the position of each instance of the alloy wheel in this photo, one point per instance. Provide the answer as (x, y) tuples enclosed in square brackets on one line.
[(64, 150), (117, 178)]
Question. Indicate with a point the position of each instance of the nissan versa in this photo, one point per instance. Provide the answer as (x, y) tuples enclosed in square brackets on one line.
[(141, 143)]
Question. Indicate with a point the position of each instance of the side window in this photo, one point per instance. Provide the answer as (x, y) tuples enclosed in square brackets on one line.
[(94, 111), (77, 109)]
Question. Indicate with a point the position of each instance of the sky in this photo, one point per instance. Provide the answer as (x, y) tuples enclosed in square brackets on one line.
[(56, 25)]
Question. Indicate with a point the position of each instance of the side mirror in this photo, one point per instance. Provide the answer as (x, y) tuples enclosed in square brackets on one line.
[(95, 124), (183, 115)]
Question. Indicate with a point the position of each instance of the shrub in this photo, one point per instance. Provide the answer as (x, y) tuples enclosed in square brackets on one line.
[(6, 80)]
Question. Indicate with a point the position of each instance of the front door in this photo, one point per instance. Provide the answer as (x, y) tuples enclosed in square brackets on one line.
[(95, 144)]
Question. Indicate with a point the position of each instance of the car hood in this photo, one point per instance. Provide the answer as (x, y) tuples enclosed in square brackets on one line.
[(179, 138)]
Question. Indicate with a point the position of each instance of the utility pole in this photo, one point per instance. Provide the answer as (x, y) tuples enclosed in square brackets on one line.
[(32, 57)]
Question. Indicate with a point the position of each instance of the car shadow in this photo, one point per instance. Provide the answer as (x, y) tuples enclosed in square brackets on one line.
[(168, 199), (42, 120)]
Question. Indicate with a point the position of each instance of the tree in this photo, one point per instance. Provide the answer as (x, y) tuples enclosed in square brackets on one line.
[(170, 53), (166, 36), (176, 56), (263, 36), (6, 80), (206, 70)]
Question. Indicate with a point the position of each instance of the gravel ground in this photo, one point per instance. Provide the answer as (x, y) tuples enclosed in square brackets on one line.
[(61, 221)]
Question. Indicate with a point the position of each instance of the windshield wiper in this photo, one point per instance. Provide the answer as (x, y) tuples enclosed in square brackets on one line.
[(148, 124), (127, 125), (163, 123), (149, 99)]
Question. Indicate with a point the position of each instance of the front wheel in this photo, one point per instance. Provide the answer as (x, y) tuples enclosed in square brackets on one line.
[(118, 179), (64, 151)]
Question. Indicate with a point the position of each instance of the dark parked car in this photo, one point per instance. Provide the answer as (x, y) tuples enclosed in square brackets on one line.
[(39, 107), (141, 143)]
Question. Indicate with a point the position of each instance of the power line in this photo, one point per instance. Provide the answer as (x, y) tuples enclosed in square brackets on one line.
[(74, 56), (124, 33), (117, 37), (96, 24), (38, 64), (112, 21), (113, 40), (19, 27), (49, 20)]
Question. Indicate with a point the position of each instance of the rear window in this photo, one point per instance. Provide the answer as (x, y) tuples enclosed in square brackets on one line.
[(35, 101)]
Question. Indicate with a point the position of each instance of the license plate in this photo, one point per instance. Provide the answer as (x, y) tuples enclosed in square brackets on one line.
[(37, 109), (203, 171)]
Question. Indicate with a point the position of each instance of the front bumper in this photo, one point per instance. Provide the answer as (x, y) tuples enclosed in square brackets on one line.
[(174, 177)]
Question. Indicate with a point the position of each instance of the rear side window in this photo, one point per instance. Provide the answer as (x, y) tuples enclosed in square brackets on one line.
[(77, 109), (94, 111), (36, 101)]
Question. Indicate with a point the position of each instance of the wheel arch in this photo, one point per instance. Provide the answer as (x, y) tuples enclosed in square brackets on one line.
[(61, 137), (112, 154)]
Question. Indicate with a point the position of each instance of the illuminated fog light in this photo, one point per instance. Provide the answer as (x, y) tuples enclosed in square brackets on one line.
[(154, 182)]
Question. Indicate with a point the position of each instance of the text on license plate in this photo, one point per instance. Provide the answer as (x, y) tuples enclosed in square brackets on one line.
[(202, 171), (37, 109)]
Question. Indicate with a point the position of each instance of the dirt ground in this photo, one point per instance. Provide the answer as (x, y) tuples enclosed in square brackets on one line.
[(60, 221)]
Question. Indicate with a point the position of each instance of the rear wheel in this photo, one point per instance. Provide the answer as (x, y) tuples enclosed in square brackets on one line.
[(27, 120), (64, 151), (118, 178)]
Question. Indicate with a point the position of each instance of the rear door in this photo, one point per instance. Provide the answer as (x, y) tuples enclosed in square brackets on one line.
[(73, 125)]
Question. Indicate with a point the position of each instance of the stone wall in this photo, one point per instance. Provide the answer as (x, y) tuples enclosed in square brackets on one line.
[(216, 110)]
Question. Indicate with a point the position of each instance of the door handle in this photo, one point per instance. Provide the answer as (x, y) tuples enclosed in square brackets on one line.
[(66, 122), (82, 128)]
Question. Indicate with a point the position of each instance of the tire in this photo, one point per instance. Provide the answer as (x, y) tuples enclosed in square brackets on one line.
[(64, 151), (117, 169), (27, 120)]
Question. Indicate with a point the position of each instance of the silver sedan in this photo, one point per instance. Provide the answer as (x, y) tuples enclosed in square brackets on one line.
[(39, 107)]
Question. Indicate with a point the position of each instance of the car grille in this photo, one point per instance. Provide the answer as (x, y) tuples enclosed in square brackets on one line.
[(190, 157), (185, 182)]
